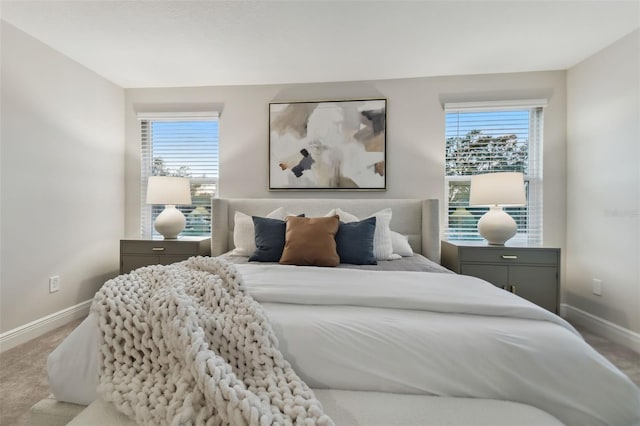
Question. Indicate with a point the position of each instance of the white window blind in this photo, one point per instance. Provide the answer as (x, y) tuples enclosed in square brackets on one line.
[(493, 137), (180, 144)]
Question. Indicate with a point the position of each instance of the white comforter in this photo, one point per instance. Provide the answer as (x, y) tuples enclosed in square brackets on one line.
[(442, 334), (429, 333)]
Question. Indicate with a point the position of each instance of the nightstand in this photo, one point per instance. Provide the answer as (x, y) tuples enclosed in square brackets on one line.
[(138, 253), (530, 272)]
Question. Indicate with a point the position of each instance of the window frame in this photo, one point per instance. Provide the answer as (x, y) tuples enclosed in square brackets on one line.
[(533, 233), (147, 211)]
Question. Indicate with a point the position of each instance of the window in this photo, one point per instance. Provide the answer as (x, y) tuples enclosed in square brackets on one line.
[(180, 145), (493, 137)]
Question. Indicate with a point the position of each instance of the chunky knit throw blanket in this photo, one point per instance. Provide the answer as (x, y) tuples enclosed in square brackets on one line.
[(184, 344)]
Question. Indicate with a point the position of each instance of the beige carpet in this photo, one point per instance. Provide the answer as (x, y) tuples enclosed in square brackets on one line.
[(23, 377), (625, 359)]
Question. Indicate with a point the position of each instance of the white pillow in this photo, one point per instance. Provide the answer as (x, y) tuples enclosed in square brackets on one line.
[(244, 233), (401, 244), (382, 247)]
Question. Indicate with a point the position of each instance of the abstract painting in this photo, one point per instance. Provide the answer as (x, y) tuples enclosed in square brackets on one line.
[(328, 145)]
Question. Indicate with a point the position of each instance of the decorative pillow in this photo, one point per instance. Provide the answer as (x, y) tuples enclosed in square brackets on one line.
[(244, 236), (400, 244), (382, 248), (354, 242), (310, 241), (269, 239), (344, 216)]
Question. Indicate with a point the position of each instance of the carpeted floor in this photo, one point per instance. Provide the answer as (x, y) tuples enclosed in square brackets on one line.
[(23, 377), (625, 359)]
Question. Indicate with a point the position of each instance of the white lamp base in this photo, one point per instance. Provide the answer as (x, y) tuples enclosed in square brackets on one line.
[(170, 222), (496, 226)]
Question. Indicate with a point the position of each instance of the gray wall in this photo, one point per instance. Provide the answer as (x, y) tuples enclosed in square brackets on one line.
[(415, 133), (62, 179), (603, 184)]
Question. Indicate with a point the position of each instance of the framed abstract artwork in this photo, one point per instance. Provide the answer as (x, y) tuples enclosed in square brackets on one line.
[(328, 145)]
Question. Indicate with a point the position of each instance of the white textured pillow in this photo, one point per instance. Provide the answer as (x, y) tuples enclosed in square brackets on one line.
[(244, 233), (382, 247), (400, 244)]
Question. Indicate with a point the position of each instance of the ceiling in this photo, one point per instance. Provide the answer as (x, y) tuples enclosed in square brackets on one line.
[(173, 43)]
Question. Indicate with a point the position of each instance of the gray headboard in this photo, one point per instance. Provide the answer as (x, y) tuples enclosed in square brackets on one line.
[(416, 218)]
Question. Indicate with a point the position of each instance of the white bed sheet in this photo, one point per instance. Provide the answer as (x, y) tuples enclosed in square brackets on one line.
[(421, 333)]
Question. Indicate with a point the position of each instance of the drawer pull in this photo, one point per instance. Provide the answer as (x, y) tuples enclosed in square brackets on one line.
[(158, 249), (509, 288), (509, 256)]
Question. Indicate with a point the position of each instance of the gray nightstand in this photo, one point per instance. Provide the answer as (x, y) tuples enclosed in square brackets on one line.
[(138, 253), (530, 272)]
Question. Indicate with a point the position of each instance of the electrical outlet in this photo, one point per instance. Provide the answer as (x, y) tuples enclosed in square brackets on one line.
[(54, 283), (596, 287)]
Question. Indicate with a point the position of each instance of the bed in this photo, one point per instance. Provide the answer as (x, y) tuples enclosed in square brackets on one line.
[(402, 342)]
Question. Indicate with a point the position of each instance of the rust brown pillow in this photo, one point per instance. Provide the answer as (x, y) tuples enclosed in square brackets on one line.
[(310, 241)]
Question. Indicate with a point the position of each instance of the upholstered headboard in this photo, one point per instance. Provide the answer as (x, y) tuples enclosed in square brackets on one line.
[(416, 218)]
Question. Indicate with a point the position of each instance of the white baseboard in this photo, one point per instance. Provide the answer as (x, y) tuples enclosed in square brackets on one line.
[(24, 333), (602, 327)]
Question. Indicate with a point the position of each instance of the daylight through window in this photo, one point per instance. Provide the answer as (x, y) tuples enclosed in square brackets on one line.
[(180, 145), (493, 137)]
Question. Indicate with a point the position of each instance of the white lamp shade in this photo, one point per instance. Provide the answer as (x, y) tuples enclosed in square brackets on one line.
[(168, 190), (498, 189)]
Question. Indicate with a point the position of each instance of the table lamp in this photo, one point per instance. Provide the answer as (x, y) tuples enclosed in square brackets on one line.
[(497, 190), (169, 190)]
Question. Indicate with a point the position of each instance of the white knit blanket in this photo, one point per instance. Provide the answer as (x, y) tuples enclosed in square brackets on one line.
[(185, 344)]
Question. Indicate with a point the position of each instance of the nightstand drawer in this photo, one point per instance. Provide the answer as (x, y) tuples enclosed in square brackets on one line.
[(137, 253), (504, 255), (158, 247)]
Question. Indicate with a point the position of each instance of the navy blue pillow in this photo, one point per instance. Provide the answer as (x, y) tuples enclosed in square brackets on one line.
[(354, 242), (270, 238)]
